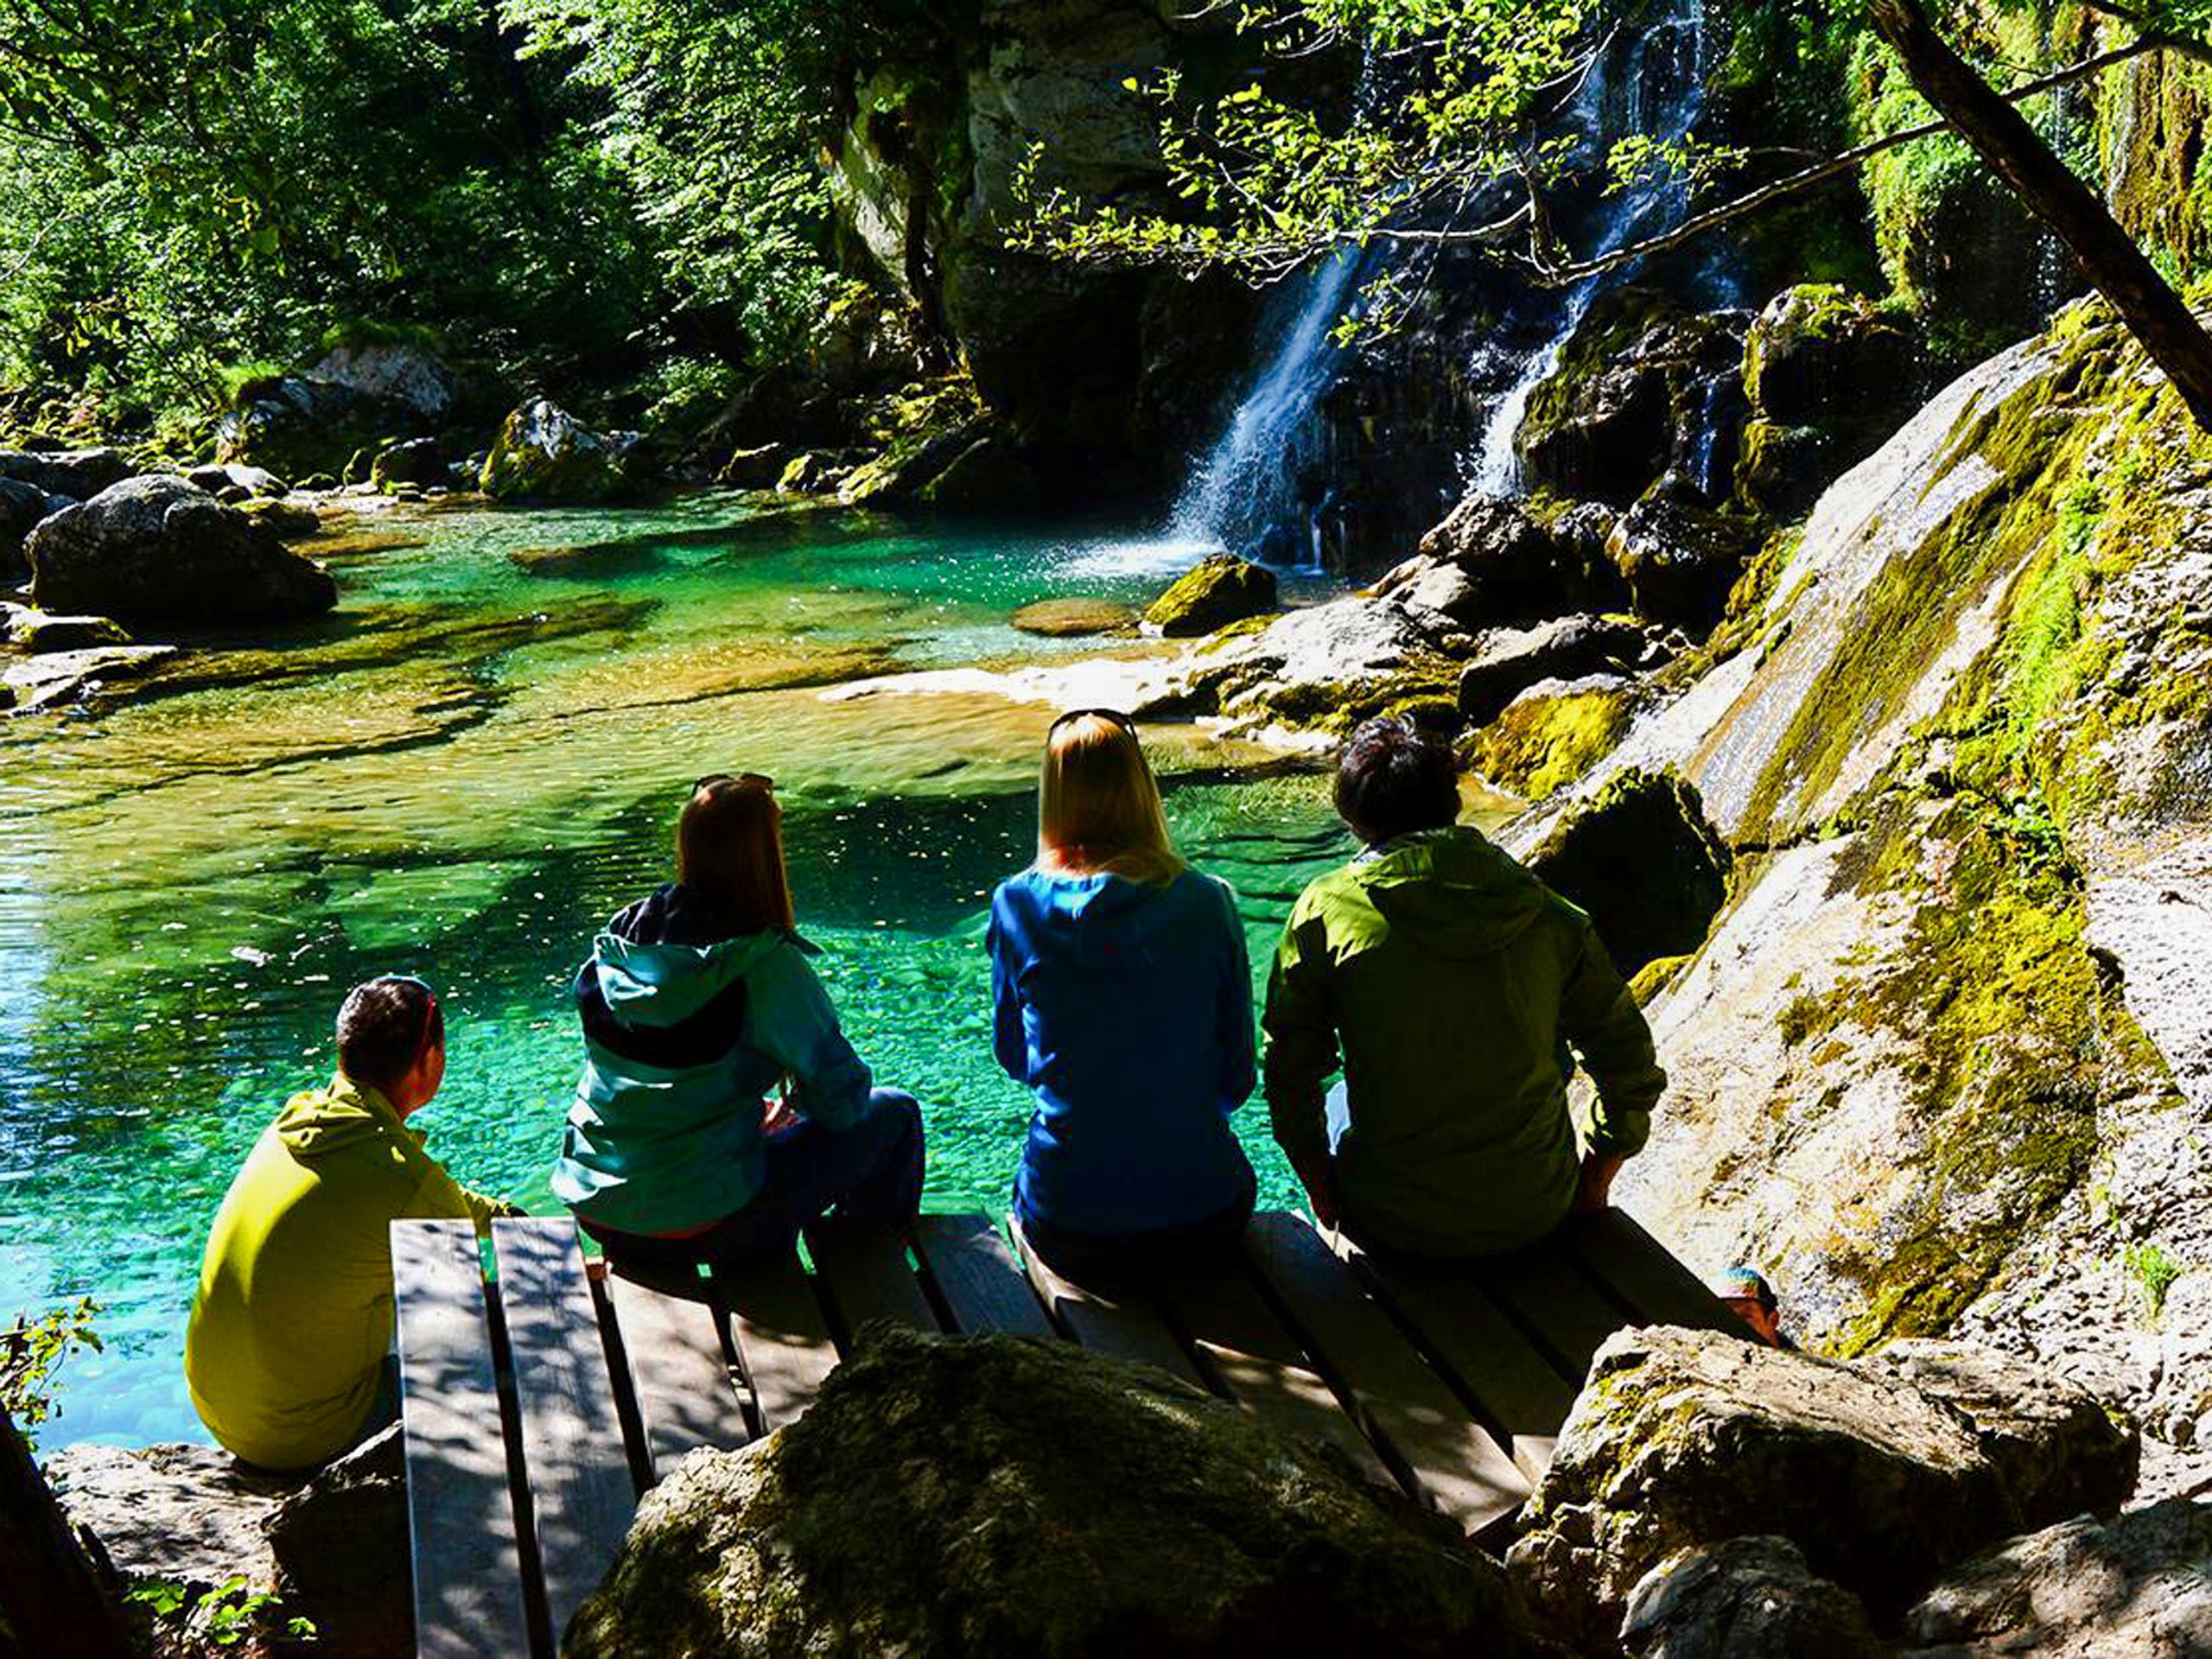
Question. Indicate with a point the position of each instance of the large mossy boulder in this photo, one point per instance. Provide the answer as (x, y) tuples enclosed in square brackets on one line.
[(1830, 375), (296, 425), (992, 1495), (1221, 588), (544, 454), (1640, 857), (22, 507), (1551, 733), (158, 554), (1684, 1438)]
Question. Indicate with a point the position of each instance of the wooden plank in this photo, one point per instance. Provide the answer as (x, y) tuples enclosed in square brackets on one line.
[(982, 1285), (866, 1271), (686, 1396), (461, 1516), (581, 1491), (1513, 1387), (1643, 1275), (1413, 1420), (782, 1335), (1119, 1321), (1258, 1363), (1553, 1301)]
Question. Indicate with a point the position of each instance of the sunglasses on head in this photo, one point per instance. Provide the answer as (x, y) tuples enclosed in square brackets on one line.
[(750, 779), (1113, 715)]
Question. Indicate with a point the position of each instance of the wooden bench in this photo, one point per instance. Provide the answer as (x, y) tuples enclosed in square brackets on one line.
[(542, 1395)]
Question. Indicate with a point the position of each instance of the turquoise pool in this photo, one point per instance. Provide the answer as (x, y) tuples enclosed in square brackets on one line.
[(477, 760)]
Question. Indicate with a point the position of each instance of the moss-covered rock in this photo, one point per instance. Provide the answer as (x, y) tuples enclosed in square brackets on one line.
[(1219, 589), (544, 454), (1830, 375), (1681, 1439), (991, 1494), (1551, 735), (1640, 857)]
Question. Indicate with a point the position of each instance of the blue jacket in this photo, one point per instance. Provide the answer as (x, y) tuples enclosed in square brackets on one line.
[(685, 1032), (1127, 1008)]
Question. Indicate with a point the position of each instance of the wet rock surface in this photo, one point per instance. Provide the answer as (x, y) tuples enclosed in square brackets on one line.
[(157, 553), (1684, 1438), (1492, 561), (1507, 661), (1058, 619), (995, 1495)]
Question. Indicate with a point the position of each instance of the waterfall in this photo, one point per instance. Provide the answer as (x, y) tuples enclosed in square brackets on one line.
[(1243, 495), (1655, 85)]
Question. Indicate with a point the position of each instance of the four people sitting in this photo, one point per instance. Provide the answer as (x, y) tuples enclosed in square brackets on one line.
[(722, 1109)]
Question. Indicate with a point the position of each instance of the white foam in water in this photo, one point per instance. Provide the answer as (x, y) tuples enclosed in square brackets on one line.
[(1166, 555)]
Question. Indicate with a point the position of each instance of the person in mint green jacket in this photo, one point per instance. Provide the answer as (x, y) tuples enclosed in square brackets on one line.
[(1448, 982), (721, 1107)]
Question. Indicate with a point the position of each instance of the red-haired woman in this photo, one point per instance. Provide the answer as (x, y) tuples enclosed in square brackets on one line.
[(699, 1009)]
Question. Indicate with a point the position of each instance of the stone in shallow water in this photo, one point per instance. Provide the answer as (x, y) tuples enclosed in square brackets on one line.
[(993, 1495), (66, 677), (1219, 589), (1056, 619)]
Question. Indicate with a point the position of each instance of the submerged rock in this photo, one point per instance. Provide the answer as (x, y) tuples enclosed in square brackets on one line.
[(1683, 1439), (2139, 1584), (156, 553), (1744, 1599), (38, 631), (57, 678), (544, 454), (991, 1494), (1056, 619), (1640, 857), (1219, 589)]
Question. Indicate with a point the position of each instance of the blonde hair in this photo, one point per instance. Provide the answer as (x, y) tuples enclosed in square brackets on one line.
[(1098, 808), (730, 847)]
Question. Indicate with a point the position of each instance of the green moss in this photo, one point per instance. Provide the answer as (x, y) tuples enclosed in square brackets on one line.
[(1657, 976), (1539, 745)]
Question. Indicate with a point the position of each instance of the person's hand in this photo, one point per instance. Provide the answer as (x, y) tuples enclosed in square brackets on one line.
[(779, 1114), (1593, 1186)]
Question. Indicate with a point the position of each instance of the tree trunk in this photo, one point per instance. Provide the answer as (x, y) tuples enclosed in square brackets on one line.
[(2108, 256), (53, 1598)]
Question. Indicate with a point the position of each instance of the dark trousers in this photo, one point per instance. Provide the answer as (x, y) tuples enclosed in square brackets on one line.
[(870, 1172), (1089, 1258)]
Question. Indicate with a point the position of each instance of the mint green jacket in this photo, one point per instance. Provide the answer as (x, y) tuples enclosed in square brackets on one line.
[(1447, 981)]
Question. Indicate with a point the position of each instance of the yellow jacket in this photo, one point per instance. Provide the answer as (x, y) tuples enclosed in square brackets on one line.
[(294, 1314)]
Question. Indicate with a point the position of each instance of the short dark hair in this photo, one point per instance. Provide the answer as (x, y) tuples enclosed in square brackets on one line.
[(384, 1026), (1394, 779)]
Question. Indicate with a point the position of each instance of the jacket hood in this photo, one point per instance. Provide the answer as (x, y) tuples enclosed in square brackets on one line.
[(321, 1121), (664, 984), (1101, 921), (1451, 892)]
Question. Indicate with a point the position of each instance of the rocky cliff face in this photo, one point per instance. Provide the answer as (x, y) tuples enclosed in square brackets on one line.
[(1942, 1065)]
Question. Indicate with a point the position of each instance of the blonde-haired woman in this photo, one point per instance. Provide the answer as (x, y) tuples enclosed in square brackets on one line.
[(1124, 998), (699, 1006)]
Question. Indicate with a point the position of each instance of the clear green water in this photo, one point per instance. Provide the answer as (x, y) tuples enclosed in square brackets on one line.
[(462, 775)]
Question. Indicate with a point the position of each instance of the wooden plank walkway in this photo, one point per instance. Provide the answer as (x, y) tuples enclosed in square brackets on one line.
[(543, 1397)]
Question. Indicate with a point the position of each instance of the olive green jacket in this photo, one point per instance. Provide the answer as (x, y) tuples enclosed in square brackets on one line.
[(1448, 981)]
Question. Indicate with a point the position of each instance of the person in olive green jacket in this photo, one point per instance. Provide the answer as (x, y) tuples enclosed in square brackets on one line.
[(1448, 982), (287, 1355)]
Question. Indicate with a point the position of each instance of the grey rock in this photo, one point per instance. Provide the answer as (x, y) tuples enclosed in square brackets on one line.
[(1490, 562), (76, 473), (1507, 661), (757, 468), (191, 1514), (1681, 557), (813, 472), (59, 679), (156, 553), (295, 424), (1681, 1438), (257, 482), (1744, 1599), (288, 520), (2136, 1587), (22, 506), (995, 1495), (412, 377)]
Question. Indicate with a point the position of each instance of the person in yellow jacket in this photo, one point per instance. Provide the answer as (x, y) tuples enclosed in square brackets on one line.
[(288, 1352)]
